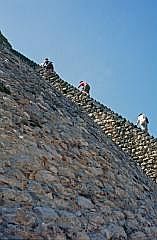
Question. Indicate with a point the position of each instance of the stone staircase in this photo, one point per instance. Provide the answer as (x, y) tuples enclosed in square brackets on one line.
[(139, 145)]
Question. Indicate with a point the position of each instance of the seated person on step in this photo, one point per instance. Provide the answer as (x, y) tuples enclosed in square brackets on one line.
[(85, 87), (48, 66)]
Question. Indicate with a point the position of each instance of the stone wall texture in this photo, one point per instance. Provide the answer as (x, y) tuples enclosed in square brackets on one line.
[(139, 145), (62, 177)]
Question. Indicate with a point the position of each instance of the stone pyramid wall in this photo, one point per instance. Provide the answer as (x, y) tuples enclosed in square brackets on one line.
[(139, 145)]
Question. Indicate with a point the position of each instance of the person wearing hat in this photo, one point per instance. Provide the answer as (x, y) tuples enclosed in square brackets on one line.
[(48, 66), (85, 87)]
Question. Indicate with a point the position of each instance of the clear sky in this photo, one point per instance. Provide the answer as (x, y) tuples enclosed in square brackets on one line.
[(112, 44)]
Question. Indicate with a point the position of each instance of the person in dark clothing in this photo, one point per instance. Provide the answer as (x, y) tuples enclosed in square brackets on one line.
[(48, 66)]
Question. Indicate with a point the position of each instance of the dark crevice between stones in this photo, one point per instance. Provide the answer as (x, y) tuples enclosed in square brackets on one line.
[(4, 88)]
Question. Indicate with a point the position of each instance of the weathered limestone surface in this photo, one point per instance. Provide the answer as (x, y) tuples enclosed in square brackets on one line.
[(61, 177), (139, 145)]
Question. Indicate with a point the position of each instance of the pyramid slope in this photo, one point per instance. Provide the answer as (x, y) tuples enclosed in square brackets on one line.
[(61, 177)]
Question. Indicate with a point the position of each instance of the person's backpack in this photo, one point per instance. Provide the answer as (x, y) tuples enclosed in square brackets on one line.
[(147, 120), (86, 87)]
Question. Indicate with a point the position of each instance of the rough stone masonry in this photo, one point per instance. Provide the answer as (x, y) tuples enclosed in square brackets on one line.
[(61, 177)]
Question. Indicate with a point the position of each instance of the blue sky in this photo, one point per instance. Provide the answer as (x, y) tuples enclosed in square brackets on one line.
[(112, 44)]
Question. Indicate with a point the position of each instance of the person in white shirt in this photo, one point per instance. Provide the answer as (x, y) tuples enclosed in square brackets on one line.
[(44, 64), (142, 121)]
